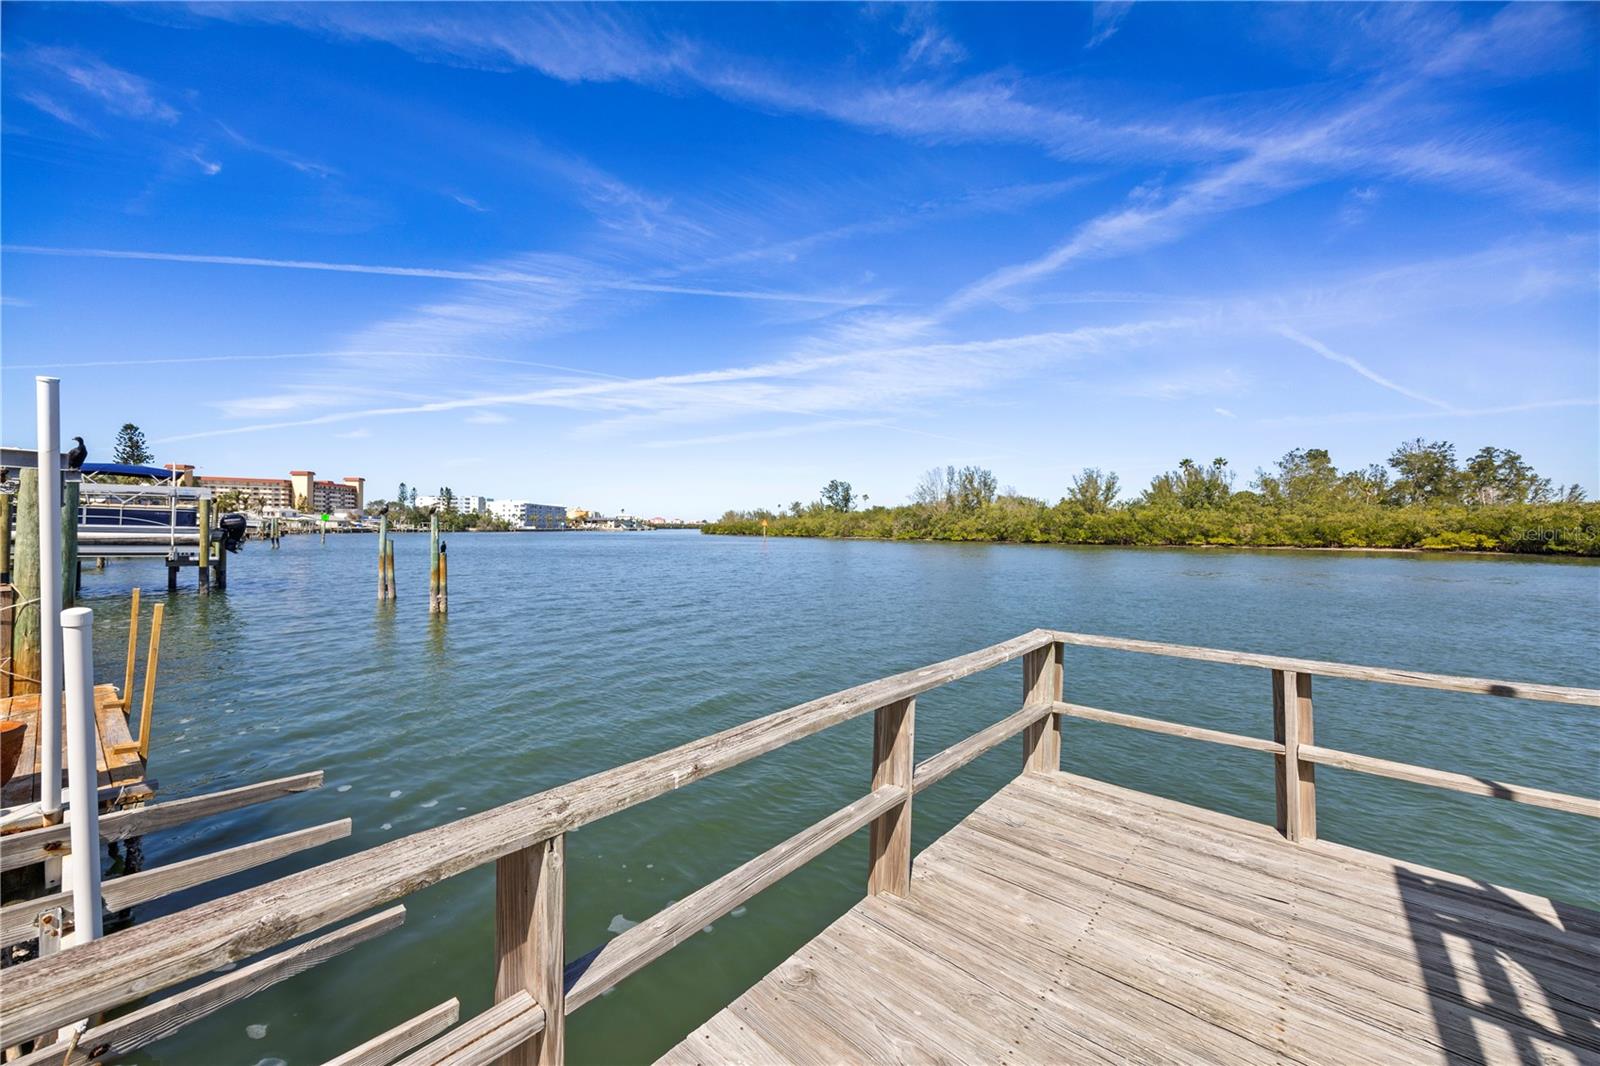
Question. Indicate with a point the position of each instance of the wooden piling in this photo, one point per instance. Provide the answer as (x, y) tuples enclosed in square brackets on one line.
[(7, 598), (70, 570), (389, 554), (444, 580), (383, 558), (222, 566), (433, 564), (25, 579), (203, 518)]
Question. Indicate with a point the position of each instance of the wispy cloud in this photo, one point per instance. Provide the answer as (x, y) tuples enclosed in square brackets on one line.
[(289, 159), (1224, 412), (58, 110), (1107, 20), (488, 418), (117, 91)]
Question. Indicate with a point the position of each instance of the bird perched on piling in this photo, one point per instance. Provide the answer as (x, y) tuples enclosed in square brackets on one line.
[(77, 455)]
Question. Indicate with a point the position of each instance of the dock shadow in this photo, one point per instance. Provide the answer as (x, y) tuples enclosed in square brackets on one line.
[(1500, 976)]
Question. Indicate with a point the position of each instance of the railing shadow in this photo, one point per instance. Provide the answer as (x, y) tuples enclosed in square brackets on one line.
[(1504, 983)]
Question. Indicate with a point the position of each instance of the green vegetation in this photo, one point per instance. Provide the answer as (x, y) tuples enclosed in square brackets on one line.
[(405, 514), (131, 447), (1422, 499)]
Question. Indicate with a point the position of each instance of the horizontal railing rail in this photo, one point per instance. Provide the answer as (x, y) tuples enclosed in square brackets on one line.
[(535, 991)]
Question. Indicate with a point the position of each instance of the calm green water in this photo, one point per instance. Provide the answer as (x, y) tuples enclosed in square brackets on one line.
[(565, 654)]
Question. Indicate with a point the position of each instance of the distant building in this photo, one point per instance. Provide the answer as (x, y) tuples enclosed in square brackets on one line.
[(527, 515), (300, 491), (472, 504)]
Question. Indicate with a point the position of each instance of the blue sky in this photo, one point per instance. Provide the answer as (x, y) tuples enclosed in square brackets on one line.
[(677, 259)]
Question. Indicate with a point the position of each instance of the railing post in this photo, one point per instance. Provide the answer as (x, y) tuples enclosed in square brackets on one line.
[(1042, 687), (893, 762), (529, 943), (1296, 780)]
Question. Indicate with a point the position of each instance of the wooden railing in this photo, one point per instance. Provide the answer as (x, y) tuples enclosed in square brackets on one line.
[(525, 839)]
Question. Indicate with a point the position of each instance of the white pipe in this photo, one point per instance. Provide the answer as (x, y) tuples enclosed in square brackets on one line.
[(77, 627), (47, 392)]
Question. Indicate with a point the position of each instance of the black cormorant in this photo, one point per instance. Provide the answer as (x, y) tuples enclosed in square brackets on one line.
[(77, 455)]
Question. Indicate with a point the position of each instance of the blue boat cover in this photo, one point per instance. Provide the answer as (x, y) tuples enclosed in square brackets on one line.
[(127, 470)]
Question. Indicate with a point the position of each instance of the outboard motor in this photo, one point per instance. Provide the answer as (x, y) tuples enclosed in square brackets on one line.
[(232, 529)]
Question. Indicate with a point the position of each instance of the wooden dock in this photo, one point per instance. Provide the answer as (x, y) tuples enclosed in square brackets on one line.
[(121, 766), (1067, 920)]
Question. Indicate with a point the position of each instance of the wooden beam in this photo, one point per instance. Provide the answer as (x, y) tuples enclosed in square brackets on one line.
[(177, 947), (120, 893), (133, 651), (152, 660), (652, 938), (388, 1046), (893, 764), (504, 1026), (1472, 786), (1385, 675), (1175, 729), (36, 845), (159, 1020), (530, 944), (1042, 687), (1296, 779)]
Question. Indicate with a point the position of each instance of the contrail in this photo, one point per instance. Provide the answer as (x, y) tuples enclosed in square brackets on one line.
[(515, 277), (1359, 367)]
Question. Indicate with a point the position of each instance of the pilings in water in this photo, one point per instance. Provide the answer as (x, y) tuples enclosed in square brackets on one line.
[(203, 560), (70, 573), (438, 599), (385, 561), (272, 530)]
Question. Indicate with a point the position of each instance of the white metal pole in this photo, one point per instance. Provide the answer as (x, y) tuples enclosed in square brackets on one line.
[(48, 397), (83, 815)]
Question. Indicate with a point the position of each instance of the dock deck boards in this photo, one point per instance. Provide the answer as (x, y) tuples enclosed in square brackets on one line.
[(116, 751), (1067, 920)]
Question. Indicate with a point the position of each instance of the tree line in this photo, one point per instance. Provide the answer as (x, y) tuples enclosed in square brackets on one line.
[(1422, 497)]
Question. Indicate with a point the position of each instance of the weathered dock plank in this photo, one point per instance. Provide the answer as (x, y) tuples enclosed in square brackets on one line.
[(117, 757), (1071, 920)]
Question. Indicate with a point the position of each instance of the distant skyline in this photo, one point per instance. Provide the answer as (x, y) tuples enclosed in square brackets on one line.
[(677, 259)]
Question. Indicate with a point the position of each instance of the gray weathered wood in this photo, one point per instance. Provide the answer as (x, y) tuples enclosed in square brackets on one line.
[(177, 947), (1295, 781), (671, 926), (1475, 786), (119, 893), (1042, 687), (36, 845), (937, 767), (1068, 920), (1155, 725), (893, 764), (1383, 674), (158, 1020), (504, 1026), (530, 944), (390, 1045)]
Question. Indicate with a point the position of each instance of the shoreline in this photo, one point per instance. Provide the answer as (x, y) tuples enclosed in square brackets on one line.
[(1336, 549)]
